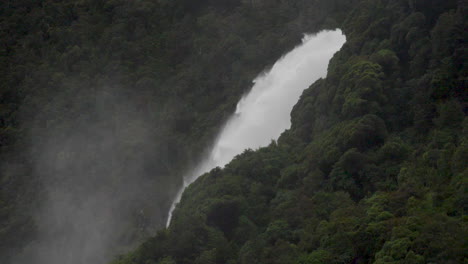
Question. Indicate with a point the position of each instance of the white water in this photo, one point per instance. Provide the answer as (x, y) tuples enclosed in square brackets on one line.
[(263, 114)]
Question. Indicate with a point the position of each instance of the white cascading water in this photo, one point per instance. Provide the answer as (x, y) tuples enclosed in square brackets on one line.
[(264, 113)]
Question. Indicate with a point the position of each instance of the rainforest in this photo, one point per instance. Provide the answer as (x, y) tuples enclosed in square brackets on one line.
[(233, 132)]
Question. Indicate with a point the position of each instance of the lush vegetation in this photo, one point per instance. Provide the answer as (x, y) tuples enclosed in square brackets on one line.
[(373, 169), (123, 92)]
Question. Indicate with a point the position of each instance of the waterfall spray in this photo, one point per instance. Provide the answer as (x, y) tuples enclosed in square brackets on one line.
[(263, 114)]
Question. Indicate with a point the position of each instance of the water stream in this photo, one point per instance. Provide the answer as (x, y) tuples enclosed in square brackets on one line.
[(264, 113)]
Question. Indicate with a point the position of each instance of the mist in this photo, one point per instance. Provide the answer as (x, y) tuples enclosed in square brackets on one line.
[(264, 113), (98, 186)]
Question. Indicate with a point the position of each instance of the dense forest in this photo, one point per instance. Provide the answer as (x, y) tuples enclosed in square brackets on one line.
[(373, 169), (110, 102)]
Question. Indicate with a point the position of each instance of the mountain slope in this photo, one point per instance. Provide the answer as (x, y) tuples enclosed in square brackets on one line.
[(373, 169), (105, 104)]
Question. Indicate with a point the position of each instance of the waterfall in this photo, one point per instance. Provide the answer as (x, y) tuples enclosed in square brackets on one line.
[(263, 114)]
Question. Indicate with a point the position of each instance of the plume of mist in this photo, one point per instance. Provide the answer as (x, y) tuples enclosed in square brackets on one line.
[(94, 164), (264, 113)]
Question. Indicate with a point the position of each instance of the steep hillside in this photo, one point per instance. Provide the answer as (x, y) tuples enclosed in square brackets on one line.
[(373, 170), (105, 104)]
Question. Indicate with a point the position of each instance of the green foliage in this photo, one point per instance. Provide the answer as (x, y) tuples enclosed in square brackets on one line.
[(387, 59), (360, 90), (167, 260), (373, 169), (316, 257), (60, 62), (376, 177)]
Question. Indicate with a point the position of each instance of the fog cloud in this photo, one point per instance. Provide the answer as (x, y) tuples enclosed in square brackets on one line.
[(95, 170)]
